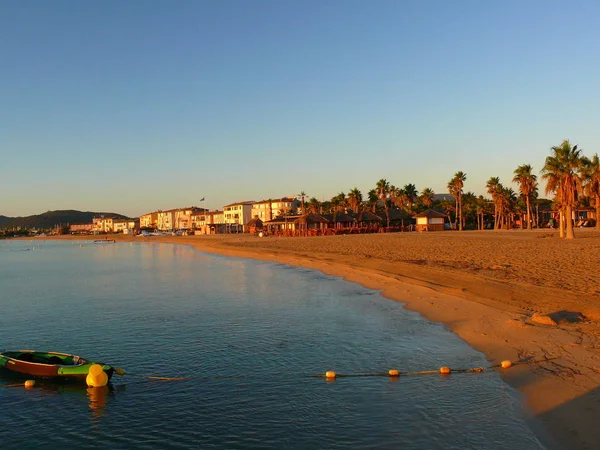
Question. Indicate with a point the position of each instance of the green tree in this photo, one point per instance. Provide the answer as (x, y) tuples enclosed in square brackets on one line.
[(527, 182), (591, 176), (426, 197), (383, 191), (562, 172)]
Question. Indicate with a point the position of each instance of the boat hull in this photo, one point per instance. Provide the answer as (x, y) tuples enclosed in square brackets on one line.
[(49, 365)]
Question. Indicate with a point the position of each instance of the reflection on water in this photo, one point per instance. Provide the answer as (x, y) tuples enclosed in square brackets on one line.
[(97, 397), (247, 334)]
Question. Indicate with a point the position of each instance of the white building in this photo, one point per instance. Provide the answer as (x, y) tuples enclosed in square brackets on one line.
[(269, 209), (238, 214)]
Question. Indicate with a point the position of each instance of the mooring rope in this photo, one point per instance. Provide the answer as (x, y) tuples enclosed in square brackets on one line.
[(332, 375)]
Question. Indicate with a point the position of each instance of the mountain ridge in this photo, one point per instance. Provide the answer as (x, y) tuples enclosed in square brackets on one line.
[(50, 219)]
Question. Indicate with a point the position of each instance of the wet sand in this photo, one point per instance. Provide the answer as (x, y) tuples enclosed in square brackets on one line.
[(485, 287)]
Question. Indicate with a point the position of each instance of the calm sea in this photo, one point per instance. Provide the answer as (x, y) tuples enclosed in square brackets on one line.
[(247, 335)]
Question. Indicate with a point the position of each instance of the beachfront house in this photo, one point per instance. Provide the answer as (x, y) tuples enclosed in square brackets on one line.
[(103, 224), (183, 217), (430, 220), (208, 222), (166, 220), (236, 215), (149, 221), (270, 209), (81, 228), (125, 226)]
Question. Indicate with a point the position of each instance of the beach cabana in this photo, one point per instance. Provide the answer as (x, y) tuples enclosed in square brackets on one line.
[(430, 220), (311, 221), (340, 220), (366, 219), (255, 225)]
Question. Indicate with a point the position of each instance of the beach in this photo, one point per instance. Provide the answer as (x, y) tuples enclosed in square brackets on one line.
[(518, 295)]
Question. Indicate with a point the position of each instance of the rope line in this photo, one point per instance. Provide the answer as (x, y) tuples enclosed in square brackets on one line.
[(332, 375)]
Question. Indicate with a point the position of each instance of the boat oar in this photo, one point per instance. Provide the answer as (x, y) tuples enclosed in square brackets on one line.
[(122, 372)]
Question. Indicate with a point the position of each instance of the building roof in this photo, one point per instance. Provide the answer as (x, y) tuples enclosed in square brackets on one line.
[(430, 214), (245, 202), (277, 200), (256, 222), (311, 218), (339, 217), (368, 216)]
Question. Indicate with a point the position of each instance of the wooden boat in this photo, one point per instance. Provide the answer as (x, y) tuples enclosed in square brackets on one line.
[(49, 365)]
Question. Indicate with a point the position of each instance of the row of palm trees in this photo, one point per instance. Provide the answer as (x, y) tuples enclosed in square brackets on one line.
[(572, 178)]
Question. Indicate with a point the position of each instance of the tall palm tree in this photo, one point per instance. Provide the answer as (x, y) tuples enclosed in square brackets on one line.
[(563, 175), (411, 193), (383, 190), (527, 182), (355, 199), (270, 200), (456, 185), (452, 191), (302, 195), (592, 184), (493, 188), (506, 202), (426, 197), (373, 199)]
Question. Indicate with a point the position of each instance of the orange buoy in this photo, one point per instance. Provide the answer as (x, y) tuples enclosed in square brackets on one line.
[(506, 364), (330, 374), (445, 370), (29, 384), (96, 376), (394, 373)]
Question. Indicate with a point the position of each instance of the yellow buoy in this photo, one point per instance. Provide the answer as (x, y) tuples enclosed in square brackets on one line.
[(394, 373), (330, 374), (119, 371), (81, 245), (29, 384), (95, 369), (445, 370), (97, 380), (506, 364)]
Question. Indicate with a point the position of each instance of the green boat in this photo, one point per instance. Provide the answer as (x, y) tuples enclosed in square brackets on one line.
[(50, 365)]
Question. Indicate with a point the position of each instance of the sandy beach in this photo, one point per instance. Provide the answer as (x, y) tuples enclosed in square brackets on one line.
[(486, 288)]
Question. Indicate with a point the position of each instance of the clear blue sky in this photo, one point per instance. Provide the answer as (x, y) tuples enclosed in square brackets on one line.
[(138, 105)]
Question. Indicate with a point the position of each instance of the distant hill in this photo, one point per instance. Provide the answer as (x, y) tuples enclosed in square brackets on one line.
[(3, 220), (51, 219)]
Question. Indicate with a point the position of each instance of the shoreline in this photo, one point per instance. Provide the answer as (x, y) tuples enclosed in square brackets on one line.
[(490, 311)]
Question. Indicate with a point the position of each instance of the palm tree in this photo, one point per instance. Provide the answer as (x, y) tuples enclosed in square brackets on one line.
[(373, 200), (314, 206), (383, 190), (302, 195), (270, 200), (563, 175), (411, 194), (455, 185), (527, 182), (493, 188), (592, 184), (427, 197), (506, 202), (355, 199)]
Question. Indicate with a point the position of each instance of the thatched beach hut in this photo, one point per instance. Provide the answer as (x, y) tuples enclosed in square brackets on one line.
[(311, 221), (254, 226)]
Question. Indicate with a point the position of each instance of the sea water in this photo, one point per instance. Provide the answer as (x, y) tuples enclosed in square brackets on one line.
[(245, 336)]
